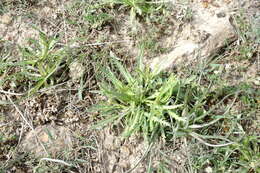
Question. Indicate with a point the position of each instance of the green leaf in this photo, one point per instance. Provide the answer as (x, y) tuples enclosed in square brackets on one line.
[(113, 94), (111, 76), (122, 69), (131, 128), (104, 122), (170, 107), (165, 91), (176, 117), (160, 121)]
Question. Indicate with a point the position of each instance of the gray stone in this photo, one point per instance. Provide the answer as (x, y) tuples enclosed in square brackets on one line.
[(199, 39)]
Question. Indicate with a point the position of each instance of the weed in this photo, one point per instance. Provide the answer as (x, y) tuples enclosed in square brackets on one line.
[(201, 107), (137, 6), (241, 156), (249, 154), (140, 8), (38, 64), (239, 115), (96, 16), (140, 102), (162, 168), (154, 104), (249, 35)]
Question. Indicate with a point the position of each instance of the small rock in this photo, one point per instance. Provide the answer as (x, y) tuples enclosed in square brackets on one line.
[(112, 163), (55, 139), (125, 151), (208, 170), (221, 14), (5, 19), (76, 70), (257, 81), (124, 163)]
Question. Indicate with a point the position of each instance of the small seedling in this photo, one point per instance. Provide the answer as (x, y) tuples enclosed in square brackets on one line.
[(41, 61)]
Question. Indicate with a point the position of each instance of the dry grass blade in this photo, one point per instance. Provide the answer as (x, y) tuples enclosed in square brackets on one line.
[(196, 136), (56, 161), (26, 121)]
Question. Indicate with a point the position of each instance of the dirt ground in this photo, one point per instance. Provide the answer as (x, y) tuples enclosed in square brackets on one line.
[(50, 131)]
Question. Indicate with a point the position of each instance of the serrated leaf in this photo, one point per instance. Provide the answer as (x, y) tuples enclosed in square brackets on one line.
[(160, 121), (176, 117)]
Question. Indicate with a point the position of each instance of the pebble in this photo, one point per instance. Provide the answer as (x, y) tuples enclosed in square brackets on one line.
[(5, 19)]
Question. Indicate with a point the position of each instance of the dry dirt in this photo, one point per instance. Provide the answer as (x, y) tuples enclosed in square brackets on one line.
[(57, 117)]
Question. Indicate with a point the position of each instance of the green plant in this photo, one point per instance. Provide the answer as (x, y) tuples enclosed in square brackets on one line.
[(249, 154), (96, 15), (137, 6), (154, 104), (35, 68), (40, 61), (141, 101), (249, 35), (242, 156)]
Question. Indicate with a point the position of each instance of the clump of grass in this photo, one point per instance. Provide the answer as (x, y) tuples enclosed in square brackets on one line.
[(37, 65), (153, 104), (141, 101), (243, 156), (137, 6), (239, 124), (249, 35), (249, 154), (97, 15)]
